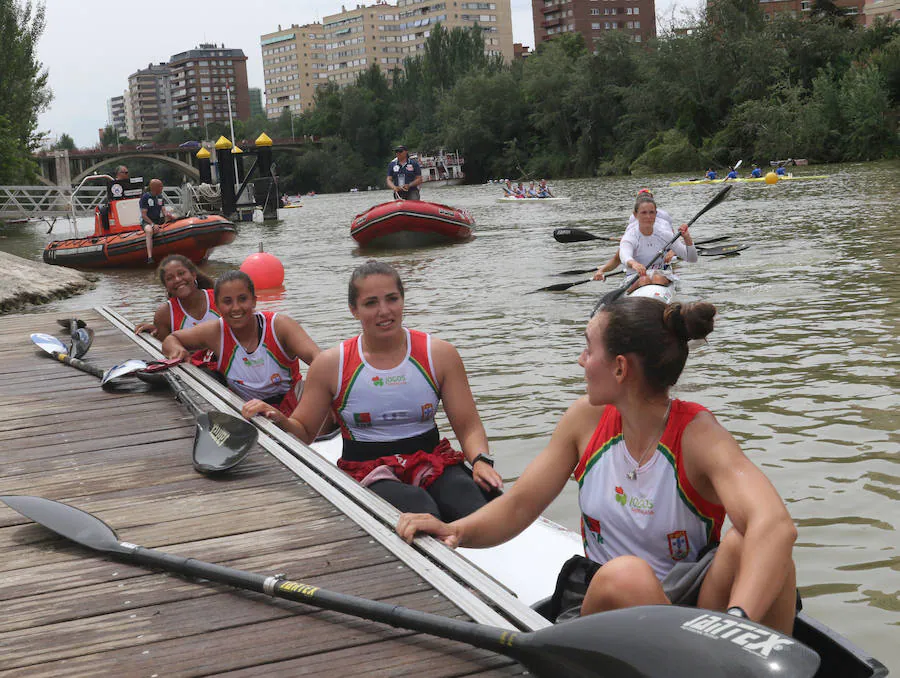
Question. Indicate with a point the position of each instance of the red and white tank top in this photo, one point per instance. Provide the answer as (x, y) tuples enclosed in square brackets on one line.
[(658, 516), (179, 319), (384, 405), (267, 372)]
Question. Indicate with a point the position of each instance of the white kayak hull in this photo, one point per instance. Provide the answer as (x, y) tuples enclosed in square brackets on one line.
[(531, 200), (527, 565), (665, 293)]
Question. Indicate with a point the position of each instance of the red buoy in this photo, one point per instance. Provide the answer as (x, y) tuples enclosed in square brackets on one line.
[(264, 269)]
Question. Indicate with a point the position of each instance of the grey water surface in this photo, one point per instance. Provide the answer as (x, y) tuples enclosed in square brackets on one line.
[(802, 367)]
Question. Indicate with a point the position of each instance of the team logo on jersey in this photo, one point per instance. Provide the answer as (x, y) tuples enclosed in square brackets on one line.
[(252, 363), (362, 419), (621, 497), (427, 411), (393, 380), (276, 378), (409, 168), (678, 545), (117, 190), (593, 526), (377, 381)]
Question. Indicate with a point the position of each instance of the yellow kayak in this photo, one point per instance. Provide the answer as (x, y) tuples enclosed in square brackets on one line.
[(747, 180)]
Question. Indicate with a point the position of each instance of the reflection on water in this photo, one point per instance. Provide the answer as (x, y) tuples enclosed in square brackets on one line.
[(802, 367)]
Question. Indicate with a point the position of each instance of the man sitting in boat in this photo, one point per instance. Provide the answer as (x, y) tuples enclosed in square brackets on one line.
[(116, 191), (154, 213), (640, 245), (780, 171), (711, 174), (756, 172), (404, 175), (732, 174)]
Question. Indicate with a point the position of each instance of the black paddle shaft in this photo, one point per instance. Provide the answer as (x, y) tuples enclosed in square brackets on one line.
[(182, 394), (79, 364)]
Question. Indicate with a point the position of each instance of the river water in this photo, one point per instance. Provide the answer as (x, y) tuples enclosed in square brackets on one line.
[(802, 367)]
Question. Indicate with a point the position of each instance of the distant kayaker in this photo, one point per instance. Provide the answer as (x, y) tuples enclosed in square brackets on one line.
[(711, 173), (384, 387), (780, 171), (656, 478), (404, 176), (154, 214), (544, 191), (755, 173), (640, 245), (258, 351), (191, 300), (732, 174)]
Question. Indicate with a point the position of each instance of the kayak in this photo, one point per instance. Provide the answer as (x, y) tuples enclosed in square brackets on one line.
[(411, 223), (746, 180), (544, 546), (510, 198)]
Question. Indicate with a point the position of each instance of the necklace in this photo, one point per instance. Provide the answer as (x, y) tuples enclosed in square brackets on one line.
[(632, 474)]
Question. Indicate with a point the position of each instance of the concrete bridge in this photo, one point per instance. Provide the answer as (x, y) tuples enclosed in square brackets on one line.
[(68, 168)]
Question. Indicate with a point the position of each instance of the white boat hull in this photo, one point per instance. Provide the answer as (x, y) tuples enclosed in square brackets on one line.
[(531, 200), (527, 565)]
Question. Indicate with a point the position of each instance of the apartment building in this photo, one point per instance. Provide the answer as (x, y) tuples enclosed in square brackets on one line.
[(297, 60), (149, 104), (115, 114), (797, 8), (593, 18), (888, 9), (199, 80)]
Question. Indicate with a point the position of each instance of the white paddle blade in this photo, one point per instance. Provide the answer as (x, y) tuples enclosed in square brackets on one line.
[(48, 343), (123, 370)]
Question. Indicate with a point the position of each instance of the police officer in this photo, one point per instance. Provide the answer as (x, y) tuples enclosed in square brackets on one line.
[(404, 175)]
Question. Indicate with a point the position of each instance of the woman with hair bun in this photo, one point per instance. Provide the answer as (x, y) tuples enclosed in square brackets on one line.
[(657, 477)]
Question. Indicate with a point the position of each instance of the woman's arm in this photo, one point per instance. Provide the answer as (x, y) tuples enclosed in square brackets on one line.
[(295, 340), (685, 250), (182, 343), (462, 411), (318, 391), (540, 483), (720, 472), (612, 263), (160, 327)]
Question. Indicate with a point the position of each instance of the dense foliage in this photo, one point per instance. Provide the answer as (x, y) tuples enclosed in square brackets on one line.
[(737, 87), (25, 91)]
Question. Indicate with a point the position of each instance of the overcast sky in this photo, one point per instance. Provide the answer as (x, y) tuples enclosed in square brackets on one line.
[(90, 47)]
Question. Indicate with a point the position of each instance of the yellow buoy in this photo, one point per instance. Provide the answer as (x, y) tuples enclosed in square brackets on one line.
[(771, 178)]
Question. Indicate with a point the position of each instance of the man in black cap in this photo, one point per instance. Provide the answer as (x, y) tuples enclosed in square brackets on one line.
[(404, 175)]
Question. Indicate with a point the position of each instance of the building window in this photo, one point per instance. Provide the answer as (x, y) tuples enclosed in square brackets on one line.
[(595, 12)]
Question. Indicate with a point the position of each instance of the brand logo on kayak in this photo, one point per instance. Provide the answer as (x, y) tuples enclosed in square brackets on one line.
[(446, 213), (678, 544), (362, 419), (751, 638), (395, 380), (593, 526)]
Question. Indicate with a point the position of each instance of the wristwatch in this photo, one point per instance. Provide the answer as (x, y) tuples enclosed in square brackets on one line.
[(485, 458), (736, 611)]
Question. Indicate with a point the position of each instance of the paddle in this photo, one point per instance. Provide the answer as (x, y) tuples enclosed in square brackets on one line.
[(82, 338), (53, 346), (559, 287), (653, 641), (66, 323), (221, 440), (610, 297), (567, 235), (723, 251)]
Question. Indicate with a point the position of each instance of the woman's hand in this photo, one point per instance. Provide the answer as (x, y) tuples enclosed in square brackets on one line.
[(688, 240), (175, 350), (599, 274), (410, 524), (637, 267), (146, 327), (486, 477), (253, 407)]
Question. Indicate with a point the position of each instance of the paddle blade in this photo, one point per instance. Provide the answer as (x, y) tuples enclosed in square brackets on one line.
[(573, 235), (678, 642), (128, 368), (577, 271), (82, 338), (709, 241), (722, 251), (48, 343), (559, 287), (67, 323), (610, 297), (221, 441), (68, 522)]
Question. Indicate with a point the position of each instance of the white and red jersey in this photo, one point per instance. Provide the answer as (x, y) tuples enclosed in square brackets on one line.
[(376, 405), (659, 516), (179, 319), (265, 373)]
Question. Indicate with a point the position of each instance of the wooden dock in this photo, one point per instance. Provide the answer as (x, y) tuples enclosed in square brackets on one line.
[(126, 457)]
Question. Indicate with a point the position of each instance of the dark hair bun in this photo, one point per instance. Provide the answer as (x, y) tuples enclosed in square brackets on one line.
[(690, 321)]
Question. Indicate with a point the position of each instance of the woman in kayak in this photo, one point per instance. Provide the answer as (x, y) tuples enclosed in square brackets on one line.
[(657, 477), (614, 261), (191, 300), (384, 387), (258, 351)]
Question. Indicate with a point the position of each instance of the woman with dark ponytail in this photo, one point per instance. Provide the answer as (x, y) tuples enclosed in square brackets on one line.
[(657, 476)]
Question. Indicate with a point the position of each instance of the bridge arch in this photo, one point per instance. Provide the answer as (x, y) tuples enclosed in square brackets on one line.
[(185, 168)]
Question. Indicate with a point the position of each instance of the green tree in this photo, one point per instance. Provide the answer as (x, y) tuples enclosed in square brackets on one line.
[(25, 90), (64, 143)]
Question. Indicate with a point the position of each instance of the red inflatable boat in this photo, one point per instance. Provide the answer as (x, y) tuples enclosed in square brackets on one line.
[(119, 241), (411, 223)]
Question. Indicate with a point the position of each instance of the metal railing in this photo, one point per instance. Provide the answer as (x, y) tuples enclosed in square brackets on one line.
[(22, 202)]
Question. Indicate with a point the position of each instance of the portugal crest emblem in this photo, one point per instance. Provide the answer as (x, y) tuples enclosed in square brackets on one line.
[(678, 545)]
